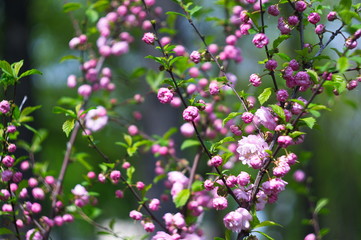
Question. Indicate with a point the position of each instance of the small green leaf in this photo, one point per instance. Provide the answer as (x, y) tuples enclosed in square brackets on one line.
[(71, 6), (5, 231), (265, 95), (67, 112), (130, 172), (283, 56), (231, 116), (313, 75), (262, 233), (128, 139), (189, 143), (279, 111), (16, 67), (194, 10), (267, 224), (342, 64), (320, 204), (68, 126), (92, 15), (310, 121), (279, 40), (181, 198), (296, 134), (69, 57), (6, 67), (176, 13)]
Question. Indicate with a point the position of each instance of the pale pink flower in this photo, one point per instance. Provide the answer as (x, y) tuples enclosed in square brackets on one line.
[(263, 116), (96, 119), (238, 220), (252, 146)]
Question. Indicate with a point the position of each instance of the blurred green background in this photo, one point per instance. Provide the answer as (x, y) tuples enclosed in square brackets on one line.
[(38, 31)]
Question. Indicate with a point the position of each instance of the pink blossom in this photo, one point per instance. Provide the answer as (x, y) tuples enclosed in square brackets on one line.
[(320, 28), (293, 20), (273, 10), (299, 176), (219, 203), (274, 186), (187, 129), (165, 95), (213, 88), (284, 141), (179, 50), (154, 204), (195, 57), (331, 16), (252, 148), (162, 236), (255, 80), (148, 38), (115, 176), (4, 194), (300, 6), (314, 17), (33, 234), (238, 220), (148, 226), (74, 42), (260, 40), (11, 129), (247, 117), (119, 193), (38, 193), (271, 64), (135, 215), (263, 116), (120, 48), (71, 81), (282, 95), (4, 106), (310, 236), (243, 178), (6, 175), (36, 207), (190, 113), (8, 161), (85, 90), (133, 130), (216, 161), (96, 119)]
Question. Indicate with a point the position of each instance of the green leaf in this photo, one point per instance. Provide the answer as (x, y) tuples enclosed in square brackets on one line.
[(5, 231), (262, 233), (92, 15), (5, 66), (81, 158), (279, 40), (16, 67), (296, 134), (265, 95), (69, 57), (279, 111), (267, 224), (342, 64), (310, 121), (130, 172), (100, 5), (170, 132), (313, 75), (181, 198), (228, 234), (176, 13), (67, 112), (231, 116), (189, 143), (68, 126), (324, 231), (218, 238), (128, 139), (320, 204), (194, 10), (197, 186), (30, 72), (71, 6), (283, 56)]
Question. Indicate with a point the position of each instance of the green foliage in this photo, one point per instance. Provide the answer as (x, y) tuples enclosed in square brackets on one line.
[(181, 198), (265, 95)]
